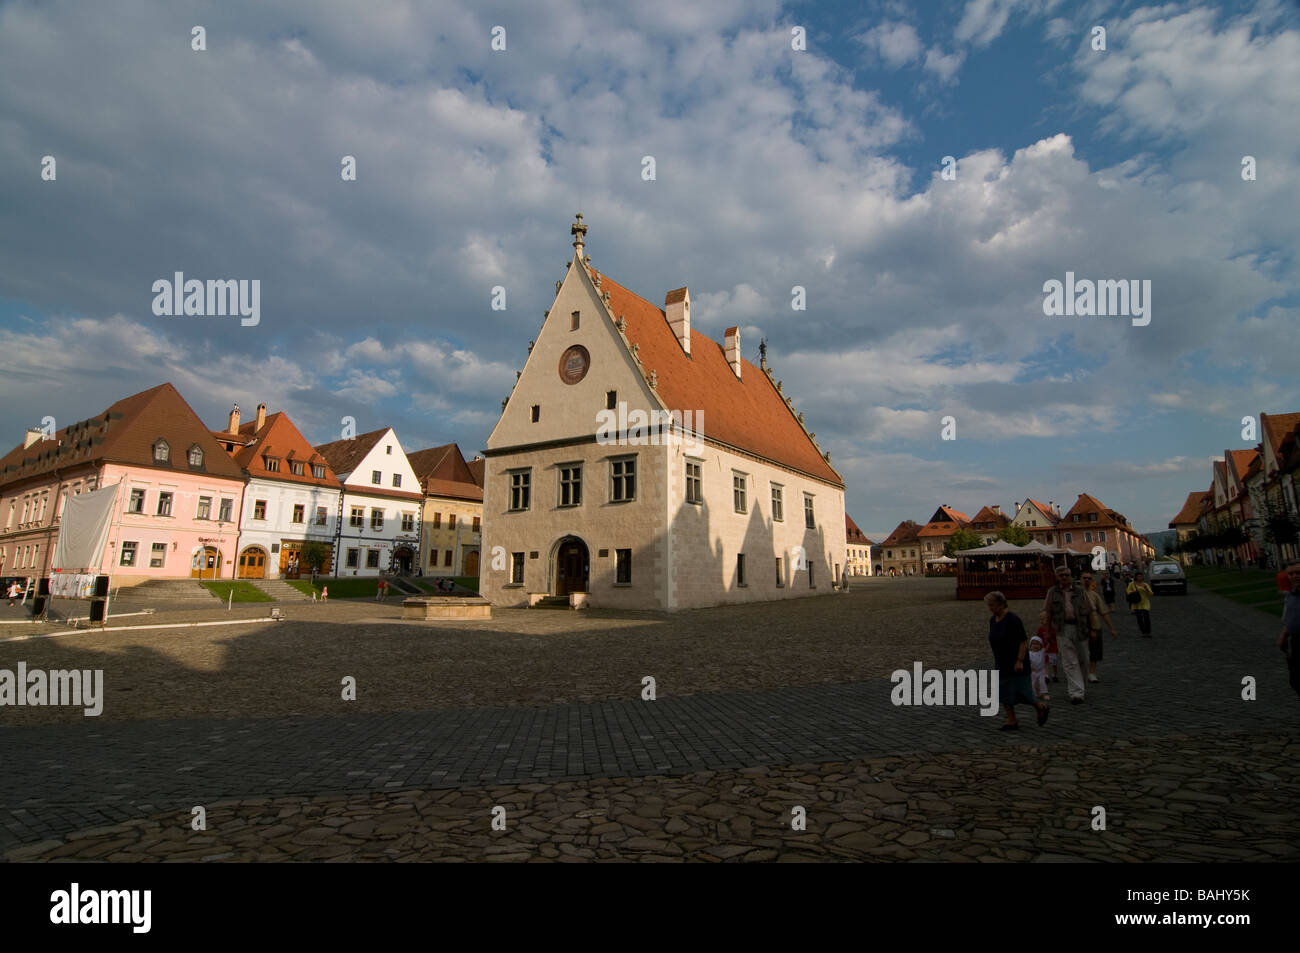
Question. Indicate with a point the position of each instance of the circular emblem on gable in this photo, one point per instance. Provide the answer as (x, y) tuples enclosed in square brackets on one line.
[(574, 364)]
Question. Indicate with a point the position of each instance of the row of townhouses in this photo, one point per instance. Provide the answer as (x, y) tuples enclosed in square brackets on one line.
[(240, 502), (1250, 508), (913, 547)]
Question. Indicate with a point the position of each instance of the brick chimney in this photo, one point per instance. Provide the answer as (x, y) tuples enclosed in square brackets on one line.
[(233, 425), (261, 418), (732, 350), (677, 306)]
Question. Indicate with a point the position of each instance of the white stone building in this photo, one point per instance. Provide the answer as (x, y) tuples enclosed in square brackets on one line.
[(732, 501), (379, 527)]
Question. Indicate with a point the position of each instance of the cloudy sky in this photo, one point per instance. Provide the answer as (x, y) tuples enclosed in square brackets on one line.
[(774, 167)]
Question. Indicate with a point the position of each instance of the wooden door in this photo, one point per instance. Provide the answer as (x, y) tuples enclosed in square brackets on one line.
[(471, 563), (252, 563)]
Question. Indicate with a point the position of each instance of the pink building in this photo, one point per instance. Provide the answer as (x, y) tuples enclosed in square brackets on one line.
[(179, 499)]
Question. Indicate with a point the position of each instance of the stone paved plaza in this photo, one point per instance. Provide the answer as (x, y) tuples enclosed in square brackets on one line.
[(760, 710)]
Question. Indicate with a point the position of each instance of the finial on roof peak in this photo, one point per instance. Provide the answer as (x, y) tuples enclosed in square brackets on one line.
[(579, 232)]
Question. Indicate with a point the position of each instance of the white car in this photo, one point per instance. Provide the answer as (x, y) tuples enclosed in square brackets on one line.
[(1167, 575)]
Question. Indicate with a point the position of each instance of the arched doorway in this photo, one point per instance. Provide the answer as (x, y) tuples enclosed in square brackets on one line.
[(205, 563), (471, 563), (403, 560), (252, 563), (572, 566)]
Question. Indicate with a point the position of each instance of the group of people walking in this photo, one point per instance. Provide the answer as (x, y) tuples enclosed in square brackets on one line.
[(1070, 637)]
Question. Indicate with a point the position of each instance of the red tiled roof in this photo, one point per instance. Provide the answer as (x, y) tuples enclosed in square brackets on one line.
[(1191, 510), (988, 514), (903, 532), (443, 472), (853, 534), (1046, 510), (1277, 426), (344, 456), (1086, 504), (745, 413), (278, 438), (476, 470), (126, 433), (1241, 460)]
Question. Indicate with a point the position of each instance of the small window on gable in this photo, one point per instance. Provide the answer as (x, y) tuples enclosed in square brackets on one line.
[(574, 320), (196, 456), (611, 399), (537, 412), (162, 453)]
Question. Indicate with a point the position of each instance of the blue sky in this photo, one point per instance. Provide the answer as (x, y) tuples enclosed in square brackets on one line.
[(774, 168)]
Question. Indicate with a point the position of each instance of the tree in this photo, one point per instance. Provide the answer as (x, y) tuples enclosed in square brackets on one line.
[(314, 555), (962, 539), (1016, 535)]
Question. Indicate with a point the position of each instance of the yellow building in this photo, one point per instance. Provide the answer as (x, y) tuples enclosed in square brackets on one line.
[(452, 522)]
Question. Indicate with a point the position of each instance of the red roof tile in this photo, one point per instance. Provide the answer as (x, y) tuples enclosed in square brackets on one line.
[(745, 413), (853, 534), (1191, 510), (281, 439)]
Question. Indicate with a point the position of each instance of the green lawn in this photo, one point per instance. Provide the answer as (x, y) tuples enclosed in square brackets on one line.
[(359, 588), (244, 591), (1251, 587), (303, 585)]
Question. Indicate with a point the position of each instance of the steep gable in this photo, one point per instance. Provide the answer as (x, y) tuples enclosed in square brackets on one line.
[(904, 533), (854, 535), (372, 454), (443, 472), (1191, 510), (343, 456), (280, 439)]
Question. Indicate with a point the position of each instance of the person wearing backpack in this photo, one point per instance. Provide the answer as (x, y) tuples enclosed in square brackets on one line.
[(1139, 600)]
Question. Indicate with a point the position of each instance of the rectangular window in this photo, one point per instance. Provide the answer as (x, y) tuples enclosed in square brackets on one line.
[(322, 514), (1092, 517), (376, 519), (1069, 537), (1101, 536), (623, 479), (574, 320), (376, 477), (353, 562), (611, 400), (694, 483), (158, 555), (164, 504), (205, 508), (623, 566), (259, 509), (446, 558), (520, 487), (571, 485), (318, 470), (811, 584), (478, 523), (299, 513), (809, 520), (537, 412), (388, 449), (780, 583), (408, 522), (517, 569), (740, 569), (272, 464), (128, 555), (738, 481), (296, 468), (778, 503), (136, 505), (372, 559), (451, 521), (1087, 537), (358, 516), (437, 521), (225, 510), (397, 479)]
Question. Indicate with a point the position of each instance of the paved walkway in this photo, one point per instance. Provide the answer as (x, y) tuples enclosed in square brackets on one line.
[(64, 778)]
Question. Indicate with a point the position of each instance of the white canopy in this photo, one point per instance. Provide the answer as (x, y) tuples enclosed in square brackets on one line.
[(941, 559), (999, 548)]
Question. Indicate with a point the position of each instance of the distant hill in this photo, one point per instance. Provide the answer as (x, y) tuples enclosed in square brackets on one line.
[(1163, 541)]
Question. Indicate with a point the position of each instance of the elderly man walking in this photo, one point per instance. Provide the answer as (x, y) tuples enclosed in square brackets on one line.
[(1067, 606)]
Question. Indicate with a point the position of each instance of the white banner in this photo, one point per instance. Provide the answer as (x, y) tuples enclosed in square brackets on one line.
[(83, 529), (72, 585)]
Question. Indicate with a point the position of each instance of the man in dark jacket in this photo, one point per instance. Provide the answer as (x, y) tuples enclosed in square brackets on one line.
[(1067, 607)]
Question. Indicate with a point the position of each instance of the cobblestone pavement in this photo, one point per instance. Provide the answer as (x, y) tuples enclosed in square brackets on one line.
[(1164, 713)]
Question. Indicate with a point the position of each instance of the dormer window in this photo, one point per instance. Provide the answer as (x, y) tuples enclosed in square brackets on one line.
[(162, 452), (196, 456), (272, 464)]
